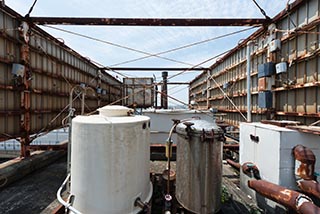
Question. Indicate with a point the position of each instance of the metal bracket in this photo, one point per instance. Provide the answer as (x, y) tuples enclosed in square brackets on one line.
[(254, 138), (207, 135)]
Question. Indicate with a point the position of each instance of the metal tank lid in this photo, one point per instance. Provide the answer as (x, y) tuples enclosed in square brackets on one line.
[(197, 127), (115, 111), (114, 114)]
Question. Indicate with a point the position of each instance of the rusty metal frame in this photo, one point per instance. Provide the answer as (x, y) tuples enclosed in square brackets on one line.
[(154, 69), (189, 22)]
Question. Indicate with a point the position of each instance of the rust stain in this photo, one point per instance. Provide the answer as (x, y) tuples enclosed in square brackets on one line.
[(310, 187), (306, 160)]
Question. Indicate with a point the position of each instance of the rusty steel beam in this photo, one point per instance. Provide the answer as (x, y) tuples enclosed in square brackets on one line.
[(63, 146), (174, 83), (148, 21), (288, 198), (310, 187), (154, 69), (25, 101)]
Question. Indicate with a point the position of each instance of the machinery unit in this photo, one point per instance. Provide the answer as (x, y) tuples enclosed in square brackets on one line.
[(199, 166), (18, 69), (110, 161), (266, 69), (281, 67), (265, 99), (265, 83), (275, 45), (162, 121), (270, 148)]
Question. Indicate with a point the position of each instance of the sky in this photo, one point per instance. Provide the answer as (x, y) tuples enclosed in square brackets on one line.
[(150, 39)]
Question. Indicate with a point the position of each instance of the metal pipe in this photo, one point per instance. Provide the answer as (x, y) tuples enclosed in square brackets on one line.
[(288, 198), (310, 187), (305, 162), (232, 137), (164, 90), (234, 164), (233, 147), (251, 170), (144, 206), (60, 199), (249, 43)]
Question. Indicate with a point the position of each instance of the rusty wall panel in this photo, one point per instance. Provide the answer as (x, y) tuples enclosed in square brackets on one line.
[(297, 90), (282, 101), (55, 70), (311, 100), (3, 53), (302, 16), (313, 10), (311, 71), (291, 101), (301, 45), (300, 100), (318, 99), (301, 73), (318, 69), (312, 43)]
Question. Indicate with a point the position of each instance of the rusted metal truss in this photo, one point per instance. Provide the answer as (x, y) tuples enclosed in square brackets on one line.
[(154, 69), (147, 21)]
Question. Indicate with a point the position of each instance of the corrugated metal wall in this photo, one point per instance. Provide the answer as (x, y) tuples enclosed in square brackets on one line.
[(54, 69), (295, 93)]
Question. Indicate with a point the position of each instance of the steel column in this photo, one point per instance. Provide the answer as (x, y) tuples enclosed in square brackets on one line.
[(25, 101), (164, 91)]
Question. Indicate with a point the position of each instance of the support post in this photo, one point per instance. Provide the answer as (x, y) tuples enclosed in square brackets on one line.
[(25, 92), (249, 44), (164, 90), (207, 89)]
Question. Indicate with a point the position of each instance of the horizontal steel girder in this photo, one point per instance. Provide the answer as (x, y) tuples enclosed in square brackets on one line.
[(147, 21), (154, 69)]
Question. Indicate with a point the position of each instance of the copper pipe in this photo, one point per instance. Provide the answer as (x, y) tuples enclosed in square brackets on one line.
[(234, 164), (310, 187), (307, 161), (288, 198)]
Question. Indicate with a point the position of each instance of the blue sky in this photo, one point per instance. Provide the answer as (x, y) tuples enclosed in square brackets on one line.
[(150, 39)]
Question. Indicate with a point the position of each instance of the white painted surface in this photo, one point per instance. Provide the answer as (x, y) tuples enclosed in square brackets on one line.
[(110, 163), (273, 153), (161, 122), (115, 111)]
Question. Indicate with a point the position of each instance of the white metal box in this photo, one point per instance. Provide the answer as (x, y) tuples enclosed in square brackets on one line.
[(281, 67), (272, 153), (274, 45), (161, 121)]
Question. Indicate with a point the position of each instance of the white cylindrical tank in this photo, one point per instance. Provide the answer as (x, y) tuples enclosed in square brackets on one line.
[(110, 161)]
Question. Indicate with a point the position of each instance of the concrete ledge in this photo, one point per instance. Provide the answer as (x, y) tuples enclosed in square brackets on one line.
[(17, 168)]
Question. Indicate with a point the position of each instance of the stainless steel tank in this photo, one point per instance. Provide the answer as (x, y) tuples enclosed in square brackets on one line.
[(199, 166)]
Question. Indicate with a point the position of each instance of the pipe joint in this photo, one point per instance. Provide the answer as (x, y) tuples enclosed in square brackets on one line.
[(144, 206)]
